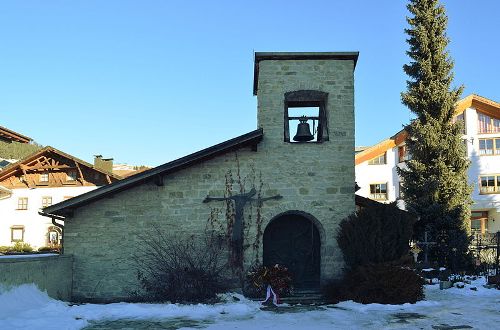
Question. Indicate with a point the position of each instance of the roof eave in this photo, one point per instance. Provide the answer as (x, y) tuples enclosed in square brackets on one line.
[(66, 207), (9, 169), (15, 136)]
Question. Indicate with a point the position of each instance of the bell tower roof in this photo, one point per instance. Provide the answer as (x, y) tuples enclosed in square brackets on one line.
[(263, 56)]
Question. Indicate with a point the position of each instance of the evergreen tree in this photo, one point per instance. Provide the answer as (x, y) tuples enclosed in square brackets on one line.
[(17, 150), (435, 181)]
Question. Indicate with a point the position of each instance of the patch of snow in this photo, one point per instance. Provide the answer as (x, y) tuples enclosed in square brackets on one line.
[(25, 307)]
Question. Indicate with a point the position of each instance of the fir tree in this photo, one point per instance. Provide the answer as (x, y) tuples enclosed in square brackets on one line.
[(435, 181)]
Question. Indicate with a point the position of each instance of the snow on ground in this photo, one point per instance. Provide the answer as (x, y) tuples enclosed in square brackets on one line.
[(25, 307)]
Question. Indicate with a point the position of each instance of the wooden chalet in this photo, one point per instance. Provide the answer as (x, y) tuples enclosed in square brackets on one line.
[(46, 177), (51, 167)]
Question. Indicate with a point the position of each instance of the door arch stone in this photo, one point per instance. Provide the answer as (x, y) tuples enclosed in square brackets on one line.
[(292, 239)]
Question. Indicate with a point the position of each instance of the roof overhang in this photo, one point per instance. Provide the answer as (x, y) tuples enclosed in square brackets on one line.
[(13, 136), (65, 208), (477, 102), (12, 168), (380, 147), (273, 56)]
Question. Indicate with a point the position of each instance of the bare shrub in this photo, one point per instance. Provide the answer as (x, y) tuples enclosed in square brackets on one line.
[(181, 269)]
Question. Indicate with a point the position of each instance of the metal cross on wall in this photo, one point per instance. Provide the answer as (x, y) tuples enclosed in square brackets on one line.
[(240, 201)]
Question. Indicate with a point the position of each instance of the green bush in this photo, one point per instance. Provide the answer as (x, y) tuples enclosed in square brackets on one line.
[(49, 249), (22, 247), (5, 249), (383, 284), (375, 243), (375, 234)]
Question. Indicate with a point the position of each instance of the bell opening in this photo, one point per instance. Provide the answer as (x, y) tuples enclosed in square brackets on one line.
[(303, 124)]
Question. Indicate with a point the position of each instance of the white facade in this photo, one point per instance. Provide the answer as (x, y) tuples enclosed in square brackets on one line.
[(27, 222), (46, 177), (367, 175), (485, 166)]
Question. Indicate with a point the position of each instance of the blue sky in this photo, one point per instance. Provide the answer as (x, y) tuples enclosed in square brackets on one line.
[(149, 81)]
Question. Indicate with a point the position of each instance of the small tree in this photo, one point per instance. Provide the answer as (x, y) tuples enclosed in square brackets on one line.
[(375, 234), (435, 181), (375, 241)]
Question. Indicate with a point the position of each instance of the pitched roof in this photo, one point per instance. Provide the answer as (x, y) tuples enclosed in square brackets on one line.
[(65, 207), (14, 136), (480, 103), (10, 169)]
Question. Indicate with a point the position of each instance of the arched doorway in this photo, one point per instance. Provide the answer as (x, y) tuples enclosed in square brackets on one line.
[(292, 239)]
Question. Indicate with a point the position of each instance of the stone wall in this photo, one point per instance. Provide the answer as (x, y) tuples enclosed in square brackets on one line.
[(52, 274), (314, 178)]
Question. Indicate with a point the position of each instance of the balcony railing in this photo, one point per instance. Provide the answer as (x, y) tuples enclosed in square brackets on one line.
[(379, 196), (489, 190), (483, 239)]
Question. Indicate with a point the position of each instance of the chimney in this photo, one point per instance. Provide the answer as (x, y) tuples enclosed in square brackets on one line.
[(105, 164)]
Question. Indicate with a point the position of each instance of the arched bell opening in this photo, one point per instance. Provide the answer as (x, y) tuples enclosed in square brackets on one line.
[(292, 239)]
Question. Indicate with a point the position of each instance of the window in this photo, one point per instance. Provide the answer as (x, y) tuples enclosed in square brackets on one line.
[(479, 221), (305, 114), (378, 191), (43, 178), (17, 233), (488, 147), (475, 225), (71, 176), (380, 160), (403, 154), (487, 124), (479, 214), (22, 203), (489, 184), (46, 201)]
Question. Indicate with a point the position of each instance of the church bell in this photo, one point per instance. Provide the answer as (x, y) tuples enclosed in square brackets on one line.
[(303, 131)]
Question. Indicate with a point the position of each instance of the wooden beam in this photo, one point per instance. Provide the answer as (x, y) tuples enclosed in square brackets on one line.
[(26, 179), (46, 167), (12, 182), (54, 179), (82, 179)]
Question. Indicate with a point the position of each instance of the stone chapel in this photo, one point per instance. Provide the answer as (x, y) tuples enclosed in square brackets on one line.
[(290, 182)]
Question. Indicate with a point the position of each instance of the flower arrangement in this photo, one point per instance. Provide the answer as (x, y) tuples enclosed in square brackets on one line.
[(277, 276)]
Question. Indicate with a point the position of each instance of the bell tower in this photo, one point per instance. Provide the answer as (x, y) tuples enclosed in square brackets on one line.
[(300, 94), (306, 110)]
